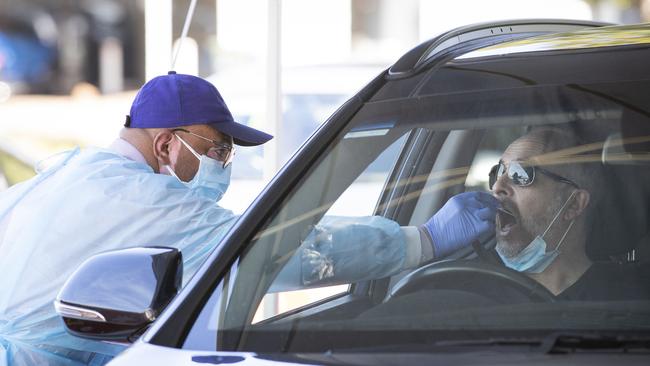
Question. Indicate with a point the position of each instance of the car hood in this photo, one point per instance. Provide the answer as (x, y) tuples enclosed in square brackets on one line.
[(142, 353)]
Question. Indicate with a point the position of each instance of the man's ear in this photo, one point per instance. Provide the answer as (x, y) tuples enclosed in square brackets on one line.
[(163, 147), (578, 204)]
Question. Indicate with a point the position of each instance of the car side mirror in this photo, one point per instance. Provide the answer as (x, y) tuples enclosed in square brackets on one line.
[(117, 294)]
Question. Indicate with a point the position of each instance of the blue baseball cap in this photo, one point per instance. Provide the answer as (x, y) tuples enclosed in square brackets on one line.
[(175, 100)]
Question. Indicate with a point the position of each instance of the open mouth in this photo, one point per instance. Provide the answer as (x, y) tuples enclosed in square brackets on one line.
[(505, 220)]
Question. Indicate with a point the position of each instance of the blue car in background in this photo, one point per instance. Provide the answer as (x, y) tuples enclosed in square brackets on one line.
[(27, 63)]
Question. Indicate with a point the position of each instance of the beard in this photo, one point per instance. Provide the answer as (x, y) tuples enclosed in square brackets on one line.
[(529, 226)]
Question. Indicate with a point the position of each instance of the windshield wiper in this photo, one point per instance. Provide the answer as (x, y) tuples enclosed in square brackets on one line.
[(563, 343)]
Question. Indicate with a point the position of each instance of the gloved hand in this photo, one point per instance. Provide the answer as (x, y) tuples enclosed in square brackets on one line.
[(463, 219)]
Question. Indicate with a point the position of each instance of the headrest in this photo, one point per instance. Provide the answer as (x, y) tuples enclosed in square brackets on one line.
[(619, 150)]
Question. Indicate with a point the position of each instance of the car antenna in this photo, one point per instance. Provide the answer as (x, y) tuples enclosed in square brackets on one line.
[(186, 28)]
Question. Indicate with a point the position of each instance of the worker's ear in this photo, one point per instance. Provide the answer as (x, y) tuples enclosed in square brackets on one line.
[(164, 148), (577, 205)]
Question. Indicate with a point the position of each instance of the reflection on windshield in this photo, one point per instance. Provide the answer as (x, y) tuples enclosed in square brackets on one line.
[(583, 39)]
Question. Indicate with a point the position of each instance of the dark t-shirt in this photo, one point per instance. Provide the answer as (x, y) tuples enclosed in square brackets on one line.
[(609, 282)]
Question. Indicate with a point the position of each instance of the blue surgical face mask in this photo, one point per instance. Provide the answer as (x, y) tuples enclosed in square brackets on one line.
[(211, 179), (534, 258)]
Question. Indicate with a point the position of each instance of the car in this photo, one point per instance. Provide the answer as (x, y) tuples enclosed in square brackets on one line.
[(434, 123), (27, 61)]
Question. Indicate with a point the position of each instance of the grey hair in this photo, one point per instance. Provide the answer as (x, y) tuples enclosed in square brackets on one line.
[(565, 148)]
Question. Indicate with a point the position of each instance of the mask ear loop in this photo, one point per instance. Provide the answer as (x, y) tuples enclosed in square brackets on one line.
[(172, 172), (169, 168), (559, 244)]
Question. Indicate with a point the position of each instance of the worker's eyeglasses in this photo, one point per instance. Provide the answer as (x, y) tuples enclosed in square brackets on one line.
[(221, 151), (523, 175)]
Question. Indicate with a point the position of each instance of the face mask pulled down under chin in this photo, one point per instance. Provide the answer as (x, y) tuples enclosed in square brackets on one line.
[(211, 179), (534, 258)]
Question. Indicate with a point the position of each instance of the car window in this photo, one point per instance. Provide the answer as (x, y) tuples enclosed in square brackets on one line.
[(561, 142), (359, 199)]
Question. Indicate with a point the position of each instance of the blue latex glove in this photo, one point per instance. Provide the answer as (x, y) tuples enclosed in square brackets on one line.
[(464, 218)]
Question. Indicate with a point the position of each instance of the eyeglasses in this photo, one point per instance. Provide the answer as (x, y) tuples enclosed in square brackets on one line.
[(523, 175), (220, 151)]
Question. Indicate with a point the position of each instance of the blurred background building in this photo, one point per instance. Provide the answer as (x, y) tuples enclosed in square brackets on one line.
[(69, 69)]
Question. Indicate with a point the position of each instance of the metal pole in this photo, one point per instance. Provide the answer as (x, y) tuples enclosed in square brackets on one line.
[(273, 110), (273, 87), (157, 36), (186, 28), (111, 66)]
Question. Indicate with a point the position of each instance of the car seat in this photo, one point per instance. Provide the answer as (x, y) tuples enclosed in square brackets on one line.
[(620, 230)]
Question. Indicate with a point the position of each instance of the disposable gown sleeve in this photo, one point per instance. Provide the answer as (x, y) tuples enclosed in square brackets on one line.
[(342, 250)]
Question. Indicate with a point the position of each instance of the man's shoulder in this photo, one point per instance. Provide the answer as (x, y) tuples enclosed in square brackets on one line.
[(102, 169), (612, 281), (617, 270), (101, 155), (99, 163), (115, 174)]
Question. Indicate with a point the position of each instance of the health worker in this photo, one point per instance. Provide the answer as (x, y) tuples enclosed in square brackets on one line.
[(160, 184)]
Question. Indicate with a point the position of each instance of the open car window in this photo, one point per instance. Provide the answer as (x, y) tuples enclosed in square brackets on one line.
[(360, 198), (566, 152)]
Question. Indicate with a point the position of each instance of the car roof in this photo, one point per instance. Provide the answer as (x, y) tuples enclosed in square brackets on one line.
[(608, 36), (516, 36)]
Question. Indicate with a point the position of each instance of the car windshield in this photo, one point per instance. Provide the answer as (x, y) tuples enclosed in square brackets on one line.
[(561, 140)]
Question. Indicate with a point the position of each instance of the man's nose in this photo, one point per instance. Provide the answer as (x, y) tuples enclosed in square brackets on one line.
[(502, 187)]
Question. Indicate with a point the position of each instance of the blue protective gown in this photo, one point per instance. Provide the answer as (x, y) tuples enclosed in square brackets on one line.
[(95, 200)]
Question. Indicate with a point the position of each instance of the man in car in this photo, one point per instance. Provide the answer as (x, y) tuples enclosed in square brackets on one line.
[(159, 184), (547, 208)]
